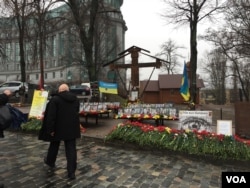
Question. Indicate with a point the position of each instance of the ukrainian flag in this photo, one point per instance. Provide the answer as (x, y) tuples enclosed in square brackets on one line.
[(110, 88), (184, 84)]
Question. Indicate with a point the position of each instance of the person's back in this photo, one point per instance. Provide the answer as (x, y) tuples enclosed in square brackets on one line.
[(4, 97), (64, 111), (62, 122), (5, 119)]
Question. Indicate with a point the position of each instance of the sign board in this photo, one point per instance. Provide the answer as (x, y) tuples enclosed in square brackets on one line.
[(133, 95), (195, 120), (38, 104), (224, 127)]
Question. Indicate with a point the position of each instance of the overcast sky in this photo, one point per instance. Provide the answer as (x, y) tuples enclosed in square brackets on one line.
[(148, 30)]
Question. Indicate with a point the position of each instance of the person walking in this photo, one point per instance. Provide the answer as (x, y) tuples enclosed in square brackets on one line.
[(6, 119), (62, 123), (4, 99)]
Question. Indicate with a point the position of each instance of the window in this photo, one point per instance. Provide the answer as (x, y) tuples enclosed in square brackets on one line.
[(17, 52), (61, 43), (28, 77), (54, 63), (27, 50), (47, 47), (46, 63), (8, 50), (18, 66), (108, 1), (53, 47)]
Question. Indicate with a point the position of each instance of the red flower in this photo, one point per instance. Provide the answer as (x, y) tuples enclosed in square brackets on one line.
[(236, 137), (220, 137), (161, 128)]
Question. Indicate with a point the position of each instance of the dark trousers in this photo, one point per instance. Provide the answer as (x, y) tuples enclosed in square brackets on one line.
[(70, 151), (1, 133)]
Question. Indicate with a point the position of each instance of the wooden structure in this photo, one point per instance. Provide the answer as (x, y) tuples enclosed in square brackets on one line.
[(242, 119), (165, 90), (135, 65)]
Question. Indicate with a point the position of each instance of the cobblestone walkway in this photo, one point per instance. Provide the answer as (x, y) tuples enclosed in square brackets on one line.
[(100, 166)]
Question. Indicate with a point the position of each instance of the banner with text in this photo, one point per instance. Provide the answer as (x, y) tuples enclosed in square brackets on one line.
[(39, 103), (195, 120)]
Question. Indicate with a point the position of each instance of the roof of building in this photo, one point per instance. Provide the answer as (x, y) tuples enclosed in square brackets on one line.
[(167, 81), (152, 85)]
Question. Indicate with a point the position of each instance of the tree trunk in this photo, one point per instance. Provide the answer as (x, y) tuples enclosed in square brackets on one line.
[(193, 61)]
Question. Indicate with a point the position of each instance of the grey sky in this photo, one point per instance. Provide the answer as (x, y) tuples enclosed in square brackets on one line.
[(148, 30)]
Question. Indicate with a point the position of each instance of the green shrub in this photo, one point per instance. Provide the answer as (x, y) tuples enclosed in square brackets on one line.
[(32, 125)]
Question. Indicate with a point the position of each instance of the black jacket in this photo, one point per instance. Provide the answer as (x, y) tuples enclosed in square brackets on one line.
[(5, 115), (4, 99), (62, 117)]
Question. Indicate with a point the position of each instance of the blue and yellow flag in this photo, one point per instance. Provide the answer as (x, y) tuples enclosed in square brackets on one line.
[(184, 84), (105, 87)]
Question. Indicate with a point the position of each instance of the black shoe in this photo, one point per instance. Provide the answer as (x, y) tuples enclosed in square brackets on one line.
[(1, 185), (71, 176), (1, 136), (50, 165)]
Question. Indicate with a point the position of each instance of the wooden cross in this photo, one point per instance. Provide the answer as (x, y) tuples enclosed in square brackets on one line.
[(134, 51)]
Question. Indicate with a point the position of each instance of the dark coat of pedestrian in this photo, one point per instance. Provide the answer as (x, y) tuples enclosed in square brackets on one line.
[(6, 118), (62, 123), (4, 97)]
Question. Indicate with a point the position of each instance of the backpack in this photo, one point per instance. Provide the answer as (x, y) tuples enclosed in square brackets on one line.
[(18, 117)]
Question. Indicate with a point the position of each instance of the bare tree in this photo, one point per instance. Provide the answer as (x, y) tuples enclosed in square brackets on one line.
[(169, 53), (84, 14), (41, 10), (191, 12), (20, 11), (233, 38), (216, 68), (2, 54)]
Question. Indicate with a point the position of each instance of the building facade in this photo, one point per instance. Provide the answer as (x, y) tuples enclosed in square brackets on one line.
[(64, 59)]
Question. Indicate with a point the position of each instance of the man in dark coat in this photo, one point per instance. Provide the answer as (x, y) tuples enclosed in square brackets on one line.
[(61, 123), (4, 99)]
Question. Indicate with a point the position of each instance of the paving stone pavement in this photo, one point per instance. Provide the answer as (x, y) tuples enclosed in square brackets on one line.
[(103, 165)]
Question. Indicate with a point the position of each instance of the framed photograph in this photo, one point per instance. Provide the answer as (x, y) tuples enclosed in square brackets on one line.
[(224, 127), (164, 111), (86, 107), (94, 107), (134, 95), (172, 111), (127, 111), (153, 111)]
